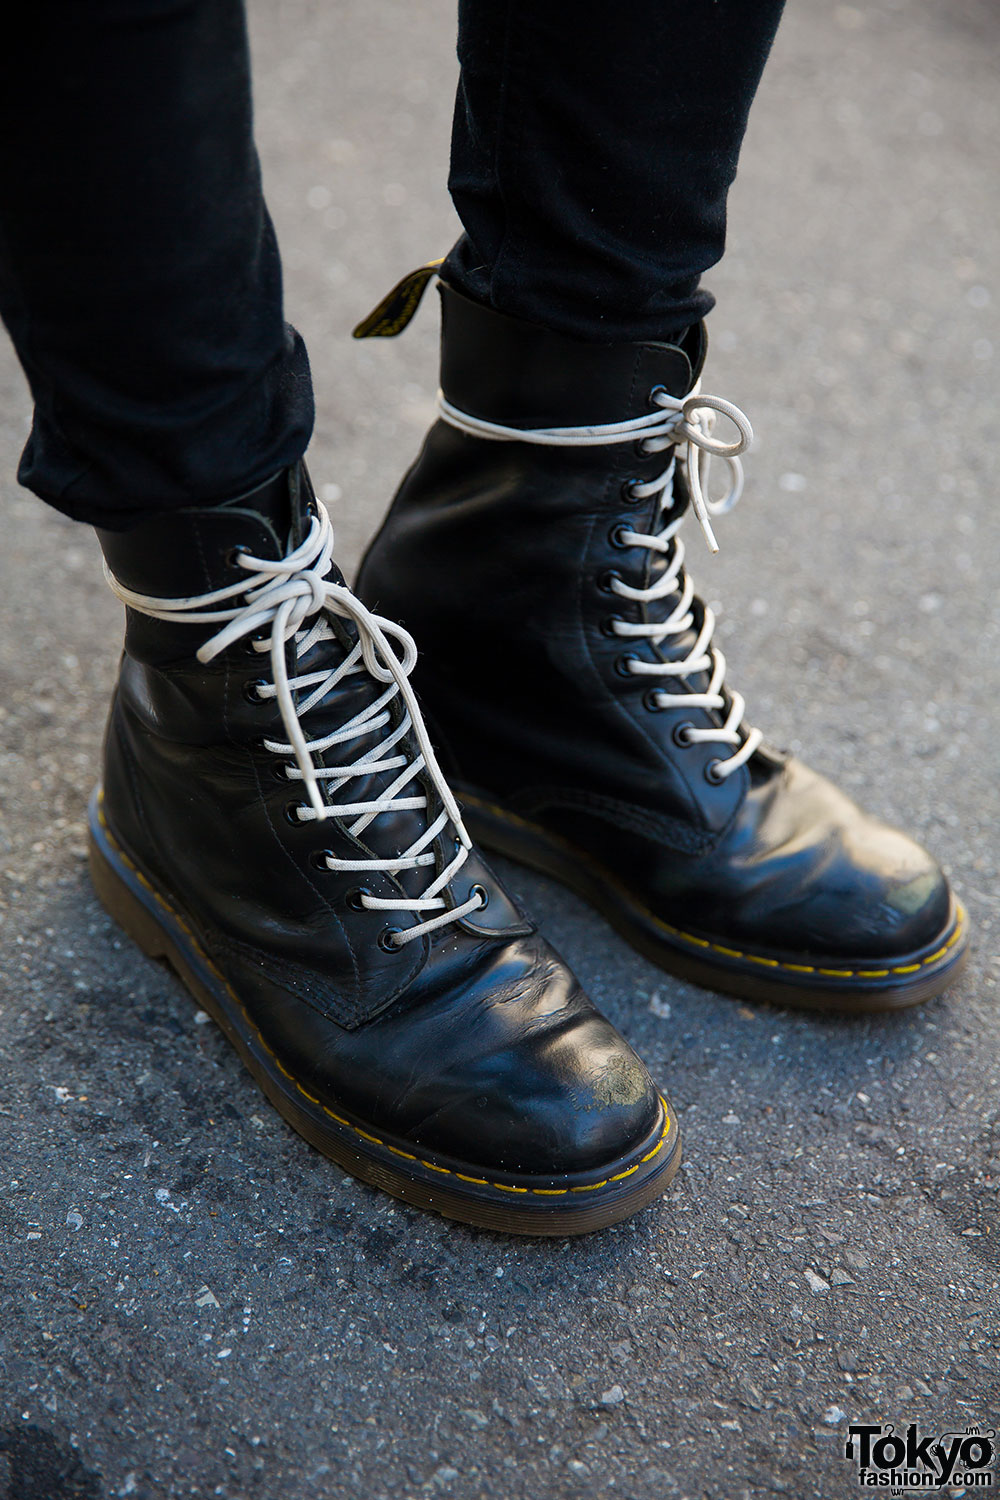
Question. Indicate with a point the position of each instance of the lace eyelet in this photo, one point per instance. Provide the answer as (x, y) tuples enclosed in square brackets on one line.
[(292, 810), (608, 626), (658, 390), (318, 859), (607, 580), (279, 772), (353, 899), (483, 894), (629, 497), (712, 773), (615, 536), (622, 665), (248, 646), (251, 690), (651, 701), (385, 939), (679, 735), (234, 553)]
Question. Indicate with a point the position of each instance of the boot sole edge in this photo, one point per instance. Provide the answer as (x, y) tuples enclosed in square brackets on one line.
[(912, 980), (151, 921)]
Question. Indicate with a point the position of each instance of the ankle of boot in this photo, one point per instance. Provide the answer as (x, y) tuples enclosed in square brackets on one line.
[(520, 374)]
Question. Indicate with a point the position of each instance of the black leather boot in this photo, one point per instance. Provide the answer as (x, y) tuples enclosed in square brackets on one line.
[(273, 823), (568, 674)]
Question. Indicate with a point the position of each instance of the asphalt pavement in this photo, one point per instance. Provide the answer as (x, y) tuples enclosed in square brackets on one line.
[(193, 1303)]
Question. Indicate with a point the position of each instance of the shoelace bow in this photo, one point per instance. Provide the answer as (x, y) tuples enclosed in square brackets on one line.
[(675, 423), (287, 594)]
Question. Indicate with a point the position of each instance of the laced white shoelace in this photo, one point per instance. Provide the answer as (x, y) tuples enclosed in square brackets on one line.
[(284, 596), (675, 423)]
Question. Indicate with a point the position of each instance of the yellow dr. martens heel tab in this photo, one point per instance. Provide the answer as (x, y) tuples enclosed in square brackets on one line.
[(397, 307)]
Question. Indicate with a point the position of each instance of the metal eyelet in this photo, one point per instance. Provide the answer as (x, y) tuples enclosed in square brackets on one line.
[(279, 772), (483, 894), (318, 859), (615, 536), (385, 939), (629, 497), (353, 899), (679, 735), (251, 690), (608, 626), (234, 553), (622, 664), (292, 810), (651, 701), (658, 390), (248, 646), (712, 773), (607, 579)]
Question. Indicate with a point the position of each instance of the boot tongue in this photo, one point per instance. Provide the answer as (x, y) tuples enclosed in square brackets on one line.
[(392, 832), (694, 345)]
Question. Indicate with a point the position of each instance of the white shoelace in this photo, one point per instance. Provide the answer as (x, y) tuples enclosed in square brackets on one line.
[(676, 421), (284, 596)]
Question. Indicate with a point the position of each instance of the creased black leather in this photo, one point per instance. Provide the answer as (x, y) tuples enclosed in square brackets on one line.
[(497, 554), (475, 1041)]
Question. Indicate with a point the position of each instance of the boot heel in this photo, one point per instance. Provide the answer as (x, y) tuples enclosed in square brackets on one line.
[(120, 903)]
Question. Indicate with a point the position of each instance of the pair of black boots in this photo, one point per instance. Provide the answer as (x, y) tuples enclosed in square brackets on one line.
[(274, 820)]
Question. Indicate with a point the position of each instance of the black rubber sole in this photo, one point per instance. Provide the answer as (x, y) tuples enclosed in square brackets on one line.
[(509, 1204), (850, 987)]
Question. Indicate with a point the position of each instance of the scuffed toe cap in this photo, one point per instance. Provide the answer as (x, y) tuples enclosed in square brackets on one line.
[(910, 899), (869, 891), (573, 1098)]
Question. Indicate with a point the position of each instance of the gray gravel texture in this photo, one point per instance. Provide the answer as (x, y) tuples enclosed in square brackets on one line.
[(193, 1302)]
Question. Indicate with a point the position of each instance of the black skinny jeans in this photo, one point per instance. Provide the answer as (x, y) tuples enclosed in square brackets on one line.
[(140, 280)]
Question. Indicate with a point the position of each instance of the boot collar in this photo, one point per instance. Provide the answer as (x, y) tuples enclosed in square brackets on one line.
[(188, 551), (523, 375)]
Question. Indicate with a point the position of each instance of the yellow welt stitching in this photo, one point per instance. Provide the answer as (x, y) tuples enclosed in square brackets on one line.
[(479, 1181), (908, 969), (619, 1175), (433, 1166), (591, 1187), (837, 973), (550, 1192), (505, 1187)]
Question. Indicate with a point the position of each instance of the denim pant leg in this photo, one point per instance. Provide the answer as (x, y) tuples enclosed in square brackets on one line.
[(593, 148), (139, 274)]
